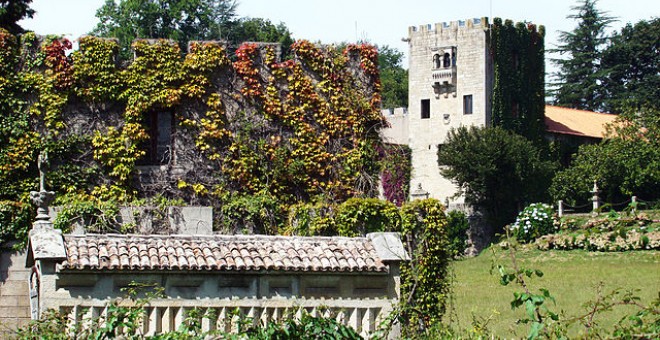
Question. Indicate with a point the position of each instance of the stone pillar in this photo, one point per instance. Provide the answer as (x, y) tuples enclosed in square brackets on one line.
[(560, 208), (14, 298), (595, 199)]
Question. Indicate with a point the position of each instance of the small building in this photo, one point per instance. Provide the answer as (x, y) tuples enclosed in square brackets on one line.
[(563, 123), (355, 280)]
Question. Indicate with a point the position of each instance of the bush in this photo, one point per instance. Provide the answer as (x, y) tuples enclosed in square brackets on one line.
[(534, 221), (360, 216), (309, 219), (424, 279), (457, 227), (254, 214)]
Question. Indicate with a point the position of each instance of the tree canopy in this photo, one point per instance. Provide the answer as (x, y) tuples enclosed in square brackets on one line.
[(393, 77), (495, 169), (262, 30), (12, 11), (630, 66), (181, 20), (626, 164), (577, 82)]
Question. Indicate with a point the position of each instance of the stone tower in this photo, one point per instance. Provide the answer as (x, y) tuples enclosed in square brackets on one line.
[(450, 85)]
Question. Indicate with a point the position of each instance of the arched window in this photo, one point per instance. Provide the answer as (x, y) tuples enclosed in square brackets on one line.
[(446, 60), (436, 61)]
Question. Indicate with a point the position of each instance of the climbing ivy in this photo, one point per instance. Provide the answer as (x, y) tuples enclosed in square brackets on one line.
[(424, 279), (519, 69), (294, 131)]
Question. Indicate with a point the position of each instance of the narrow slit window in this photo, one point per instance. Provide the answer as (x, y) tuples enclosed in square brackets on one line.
[(467, 104), (426, 108)]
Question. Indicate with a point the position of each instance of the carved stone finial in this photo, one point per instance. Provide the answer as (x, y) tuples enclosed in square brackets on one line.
[(42, 198), (42, 164), (419, 193)]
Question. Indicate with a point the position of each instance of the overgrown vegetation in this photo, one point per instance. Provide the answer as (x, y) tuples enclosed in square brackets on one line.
[(518, 99), (301, 130)]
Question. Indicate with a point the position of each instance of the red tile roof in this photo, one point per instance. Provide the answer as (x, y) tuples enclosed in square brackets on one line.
[(567, 121), (220, 253)]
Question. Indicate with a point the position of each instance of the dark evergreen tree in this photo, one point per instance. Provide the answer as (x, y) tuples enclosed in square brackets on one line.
[(576, 83), (495, 169), (12, 11), (630, 65)]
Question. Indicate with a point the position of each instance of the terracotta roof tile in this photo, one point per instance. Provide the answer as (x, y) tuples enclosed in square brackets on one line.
[(574, 122), (220, 252)]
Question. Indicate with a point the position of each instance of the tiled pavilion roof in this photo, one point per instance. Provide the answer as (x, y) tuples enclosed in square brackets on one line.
[(220, 253)]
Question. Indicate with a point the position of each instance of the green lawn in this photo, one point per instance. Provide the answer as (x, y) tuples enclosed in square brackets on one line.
[(570, 276)]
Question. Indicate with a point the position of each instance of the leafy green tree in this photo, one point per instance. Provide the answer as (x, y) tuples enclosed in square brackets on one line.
[(624, 165), (630, 65), (262, 30), (12, 11), (495, 170), (577, 83), (393, 77), (181, 20)]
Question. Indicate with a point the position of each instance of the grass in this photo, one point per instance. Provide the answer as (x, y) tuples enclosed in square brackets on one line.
[(572, 277)]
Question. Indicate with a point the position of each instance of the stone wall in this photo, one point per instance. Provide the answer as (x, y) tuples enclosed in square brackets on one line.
[(14, 300), (185, 220), (398, 131)]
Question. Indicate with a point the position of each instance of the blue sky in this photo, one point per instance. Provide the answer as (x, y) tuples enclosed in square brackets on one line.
[(382, 22)]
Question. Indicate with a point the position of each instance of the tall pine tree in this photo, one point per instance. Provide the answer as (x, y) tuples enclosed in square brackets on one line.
[(576, 82)]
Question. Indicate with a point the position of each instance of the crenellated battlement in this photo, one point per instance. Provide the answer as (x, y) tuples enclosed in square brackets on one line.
[(450, 26)]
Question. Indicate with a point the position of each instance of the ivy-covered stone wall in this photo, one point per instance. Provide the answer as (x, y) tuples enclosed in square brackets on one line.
[(518, 100), (246, 133)]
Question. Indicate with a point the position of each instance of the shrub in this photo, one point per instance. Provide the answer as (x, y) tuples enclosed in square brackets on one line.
[(258, 214), (360, 216), (457, 227), (534, 221), (424, 279), (309, 219)]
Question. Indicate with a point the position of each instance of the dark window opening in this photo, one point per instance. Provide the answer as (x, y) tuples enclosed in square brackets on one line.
[(158, 149), (446, 61), (436, 61), (426, 108), (467, 104)]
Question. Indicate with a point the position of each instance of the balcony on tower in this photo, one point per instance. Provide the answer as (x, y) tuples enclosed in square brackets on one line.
[(443, 73)]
